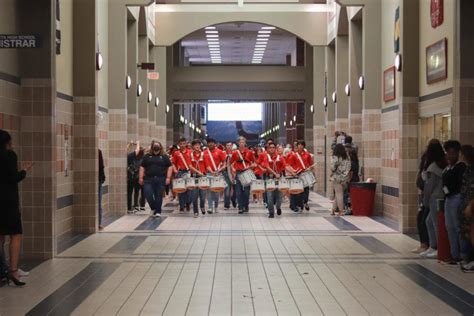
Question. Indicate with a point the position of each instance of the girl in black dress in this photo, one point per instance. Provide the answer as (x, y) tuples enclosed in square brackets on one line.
[(10, 218)]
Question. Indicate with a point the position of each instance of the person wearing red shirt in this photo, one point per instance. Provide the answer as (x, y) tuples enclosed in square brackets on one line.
[(181, 161), (229, 175), (242, 159), (198, 170), (215, 160), (299, 162), (275, 164)]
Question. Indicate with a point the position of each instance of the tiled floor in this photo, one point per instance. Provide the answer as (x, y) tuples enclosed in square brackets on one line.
[(230, 264)]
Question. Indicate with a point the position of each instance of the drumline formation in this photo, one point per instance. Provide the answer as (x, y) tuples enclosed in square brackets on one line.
[(212, 170)]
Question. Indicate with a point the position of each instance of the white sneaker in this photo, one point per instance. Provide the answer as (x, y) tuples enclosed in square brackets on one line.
[(432, 255), (23, 273), (427, 251), (157, 215)]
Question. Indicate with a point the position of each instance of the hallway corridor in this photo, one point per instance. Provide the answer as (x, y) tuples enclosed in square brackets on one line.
[(225, 264)]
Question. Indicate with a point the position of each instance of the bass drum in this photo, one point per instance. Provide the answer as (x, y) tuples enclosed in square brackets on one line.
[(204, 183)]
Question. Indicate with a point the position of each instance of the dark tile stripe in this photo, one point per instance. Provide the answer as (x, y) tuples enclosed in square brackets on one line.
[(64, 96), (69, 241), (341, 223), (390, 223), (109, 219), (435, 95), (71, 294), (10, 78), (64, 201), (127, 244), (150, 223), (102, 109), (390, 190), (373, 244), (390, 108), (446, 291)]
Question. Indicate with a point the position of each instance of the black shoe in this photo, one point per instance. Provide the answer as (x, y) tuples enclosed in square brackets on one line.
[(234, 205), (203, 211), (181, 209), (241, 211), (188, 207), (15, 281), (306, 207), (246, 209), (271, 216), (279, 211), (196, 214)]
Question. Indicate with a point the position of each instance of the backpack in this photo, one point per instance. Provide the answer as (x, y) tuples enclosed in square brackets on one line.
[(134, 169)]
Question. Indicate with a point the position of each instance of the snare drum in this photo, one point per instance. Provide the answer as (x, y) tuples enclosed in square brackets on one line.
[(270, 185), (283, 185), (257, 186), (218, 184), (204, 183), (308, 179), (191, 183), (296, 186), (179, 185), (247, 177)]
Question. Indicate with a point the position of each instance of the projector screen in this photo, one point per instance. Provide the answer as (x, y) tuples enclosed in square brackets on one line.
[(234, 111)]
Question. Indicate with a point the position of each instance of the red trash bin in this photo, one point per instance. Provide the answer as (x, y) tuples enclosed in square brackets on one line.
[(362, 198)]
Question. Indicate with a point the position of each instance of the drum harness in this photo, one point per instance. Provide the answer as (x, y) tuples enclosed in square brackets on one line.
[(185, 163), (201, 158), (274, 162), (212, 160)]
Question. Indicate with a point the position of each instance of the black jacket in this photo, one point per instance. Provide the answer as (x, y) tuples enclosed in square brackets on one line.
[(10, 177), (101, 168), (452, 178)]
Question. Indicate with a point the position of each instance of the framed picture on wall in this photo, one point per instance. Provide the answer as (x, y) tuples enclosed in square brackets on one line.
[(389, 84), (437, 61)]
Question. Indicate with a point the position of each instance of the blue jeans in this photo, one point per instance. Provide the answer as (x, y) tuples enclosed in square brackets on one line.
[(242, 193), (101, 191), (184, 198), (273, 198), (195, 194), (451, 215), (432, 223), (153, 189)]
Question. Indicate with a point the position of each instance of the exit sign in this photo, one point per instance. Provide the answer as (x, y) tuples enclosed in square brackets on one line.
[(153, 75)]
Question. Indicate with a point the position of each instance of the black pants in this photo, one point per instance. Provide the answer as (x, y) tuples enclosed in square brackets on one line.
[(421, 225), (135, 189)]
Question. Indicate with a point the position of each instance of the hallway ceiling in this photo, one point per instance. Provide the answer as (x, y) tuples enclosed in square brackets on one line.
[(235, 1), (237, 43)]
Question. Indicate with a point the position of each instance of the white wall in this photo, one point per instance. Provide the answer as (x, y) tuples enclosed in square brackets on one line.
[(103, 34), (8, 25), (64, 61)]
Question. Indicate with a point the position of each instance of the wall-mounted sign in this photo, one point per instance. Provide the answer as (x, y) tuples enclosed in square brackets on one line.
[(20, 41), (153, 75), (437, 13), (389, 84), (397, 31)]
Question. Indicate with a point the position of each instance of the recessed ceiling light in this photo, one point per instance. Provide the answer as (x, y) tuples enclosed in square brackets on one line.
[(263, 35), (259, 48), (262, 39), (211, 32), (210, 27), (214, 48), (268, 27), (212, 39), (264, 32), (212, 35), (261, 45)]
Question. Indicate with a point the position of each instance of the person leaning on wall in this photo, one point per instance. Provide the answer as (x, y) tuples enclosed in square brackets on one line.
[(10, 216)]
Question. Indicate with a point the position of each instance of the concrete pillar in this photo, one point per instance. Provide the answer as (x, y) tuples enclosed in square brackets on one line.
[(161, 93), (330, 111), (118, 107), (143, 81), (355, 71), (151, 104), (319, 135), (132, 71), (342, 78)]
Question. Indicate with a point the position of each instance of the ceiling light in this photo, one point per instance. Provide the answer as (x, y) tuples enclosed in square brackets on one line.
[(139, 90), (334, 97), (99, 61), (347, 89), (128, 82), (263, 35), (256, 61), (167, 108), (262, 39), (311, 108), (284, 123), (325, 101), (361, 82), (211, 32), (150, 97), (294, 118), (264, 32), (259, 48), (157, 101), (398, 62), (212, 39), (210, 27), (268, 27), (212, 35)]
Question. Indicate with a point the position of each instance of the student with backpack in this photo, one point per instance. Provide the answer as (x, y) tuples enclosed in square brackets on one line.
[(134, 188)]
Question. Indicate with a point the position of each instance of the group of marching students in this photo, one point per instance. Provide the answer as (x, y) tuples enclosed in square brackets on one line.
[(201, 171)]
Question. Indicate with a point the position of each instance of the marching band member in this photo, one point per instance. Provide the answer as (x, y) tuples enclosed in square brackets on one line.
[(181, 161), (275, 164), (229, 174), (198, 170), (242, 159), (298, 162), (215, 160)]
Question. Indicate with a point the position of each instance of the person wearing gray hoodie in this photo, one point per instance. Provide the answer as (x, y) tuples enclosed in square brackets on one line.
[(432, 192)]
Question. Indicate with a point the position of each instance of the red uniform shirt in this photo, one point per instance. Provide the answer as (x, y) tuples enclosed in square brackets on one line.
[(218, 155), (277, 163), (178, 159), (197, 161), (295, 162), (261, 161), (248, 157)]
